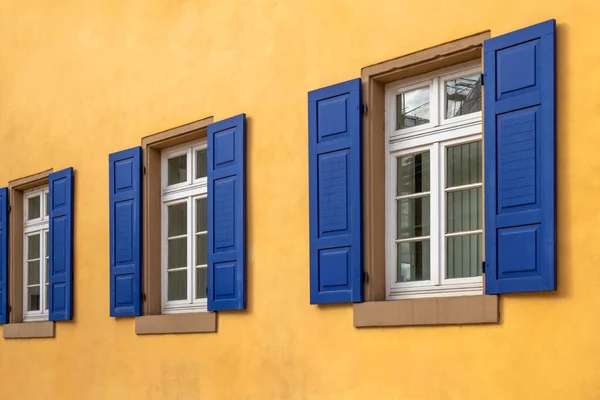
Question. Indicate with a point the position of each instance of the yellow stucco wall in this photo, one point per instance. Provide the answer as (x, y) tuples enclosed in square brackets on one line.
[(82, 79)]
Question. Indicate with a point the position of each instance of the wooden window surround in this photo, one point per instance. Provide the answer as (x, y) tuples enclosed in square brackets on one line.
[(376, 311), (153, 322), (16, 328)]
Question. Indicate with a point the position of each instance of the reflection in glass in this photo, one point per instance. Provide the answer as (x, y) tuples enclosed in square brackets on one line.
[(413, 217), (33, 298), (33, 247), (463, 210), (201, 283), (413, 261), (177, 219), (201, 164), (33, 208), (463, 96), (201, 253), (177, 285), (463, 256), (463, 164), (177, 253), (412, 108), (177, 169), (201, 215), (412, 174)]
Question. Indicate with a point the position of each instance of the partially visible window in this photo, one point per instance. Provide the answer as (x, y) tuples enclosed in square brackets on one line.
[(36, 257), (184, 199), (434, 185)]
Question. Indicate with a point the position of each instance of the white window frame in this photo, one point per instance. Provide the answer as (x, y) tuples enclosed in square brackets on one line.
[(434, 137), (185, 192), (32, 227)]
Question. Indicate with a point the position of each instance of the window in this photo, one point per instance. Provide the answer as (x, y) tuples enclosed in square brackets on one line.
[(35, 251), (434, 184), (184, 227)]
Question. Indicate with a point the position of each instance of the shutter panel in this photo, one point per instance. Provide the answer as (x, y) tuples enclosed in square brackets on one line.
[(334, 144), (520, 177), (3, 255), (227, 214), (125, 197), (60, 274)]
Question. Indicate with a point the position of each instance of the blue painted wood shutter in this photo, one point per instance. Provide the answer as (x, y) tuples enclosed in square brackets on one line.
[(3, 255), (520, 160), (60, 252), (334, 143), (227, 214), (125, 197)]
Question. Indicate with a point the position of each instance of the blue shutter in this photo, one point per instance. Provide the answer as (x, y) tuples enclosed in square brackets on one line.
[(227, 214), (520, 170), (125, 197), (334, 154), (3, 255), (60, 274)]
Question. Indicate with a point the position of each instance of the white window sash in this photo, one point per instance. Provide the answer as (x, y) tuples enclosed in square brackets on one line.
[(185, 192), (435, 138), (38, 226)]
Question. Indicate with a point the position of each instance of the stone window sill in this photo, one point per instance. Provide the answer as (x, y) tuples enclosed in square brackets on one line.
[(29, 330), (482, 309), (197, 322)]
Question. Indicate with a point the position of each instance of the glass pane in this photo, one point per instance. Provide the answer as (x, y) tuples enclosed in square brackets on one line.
[(33, 272), (177, 249), (463, 210), (463, 96), (33, 247), (463, 164), (33, 298), (412, 108), (201, 215), (463, 256), (413, 217), (412, 174), (201, 164), (201, 258), (201, 283), (177, 219), (177, 285), (413, 261), (177, 169), (46, 205), (33, 208)]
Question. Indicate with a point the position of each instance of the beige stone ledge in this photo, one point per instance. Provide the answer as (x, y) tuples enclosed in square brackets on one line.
[(29, 330), (460, 310), (198, 322)]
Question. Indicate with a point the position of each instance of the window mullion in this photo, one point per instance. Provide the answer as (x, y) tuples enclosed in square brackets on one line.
[(391, 275), (435, 214), (435, 102), (190, 249), (41, 268)]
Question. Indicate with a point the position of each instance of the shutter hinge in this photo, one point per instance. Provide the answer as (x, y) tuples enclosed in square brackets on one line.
[(9, 208), (363, 109), (9, 309), (144, 170), (143, 296), (482, 75), (483, 267), (365, 276)]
